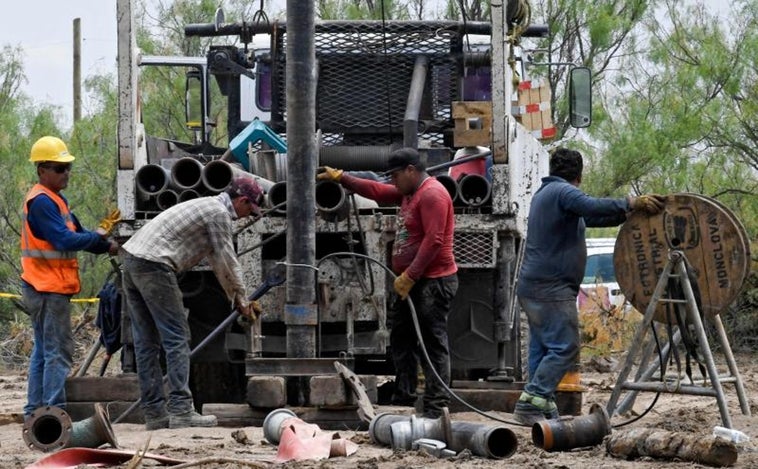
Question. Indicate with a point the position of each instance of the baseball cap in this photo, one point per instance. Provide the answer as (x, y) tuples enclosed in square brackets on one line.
[(247, 187), (400, 159)]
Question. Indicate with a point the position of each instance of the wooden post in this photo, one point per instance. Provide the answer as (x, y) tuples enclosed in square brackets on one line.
[(77, 69)]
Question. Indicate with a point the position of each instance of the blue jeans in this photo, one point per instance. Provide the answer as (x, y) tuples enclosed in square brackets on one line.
[(553, 343), (432, 298), (51, 360), (158, 317)]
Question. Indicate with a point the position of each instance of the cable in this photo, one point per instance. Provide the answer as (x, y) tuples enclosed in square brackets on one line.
[(417, 326)]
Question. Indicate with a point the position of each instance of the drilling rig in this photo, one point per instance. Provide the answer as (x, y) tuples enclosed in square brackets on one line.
[(304, 93)]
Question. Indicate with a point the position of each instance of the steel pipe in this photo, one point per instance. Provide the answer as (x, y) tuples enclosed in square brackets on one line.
[(186, 173), (50, 428), (400, 431), (450, 186), (218, 174), (474, 190), (189, 194), (166, 199), (276, 195), (151, 179), (356, 158), (572, 432), (331, 201)]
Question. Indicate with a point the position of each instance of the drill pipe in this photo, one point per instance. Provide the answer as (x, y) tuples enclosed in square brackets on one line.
[(151, 179), (186, 173), (474, 190)]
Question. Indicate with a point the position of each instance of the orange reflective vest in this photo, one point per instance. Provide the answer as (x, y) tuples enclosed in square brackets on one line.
[(42, 266)]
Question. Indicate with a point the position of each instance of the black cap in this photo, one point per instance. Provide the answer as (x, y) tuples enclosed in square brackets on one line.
[(402, 158)]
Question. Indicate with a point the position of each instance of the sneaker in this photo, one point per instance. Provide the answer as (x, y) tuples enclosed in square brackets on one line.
[(156, 423), (192, 419)]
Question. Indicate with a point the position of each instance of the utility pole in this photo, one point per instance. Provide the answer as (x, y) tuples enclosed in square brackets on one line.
[(77, 69)]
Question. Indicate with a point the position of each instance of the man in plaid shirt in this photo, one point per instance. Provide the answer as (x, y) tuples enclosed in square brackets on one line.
[(174, 242)]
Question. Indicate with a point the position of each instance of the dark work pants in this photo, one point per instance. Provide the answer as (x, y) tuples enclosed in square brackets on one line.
[(432, 299)]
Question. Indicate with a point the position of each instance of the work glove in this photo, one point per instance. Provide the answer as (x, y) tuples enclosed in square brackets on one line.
[(106, 225), (326, 173), (250, 310), (403, 285), (650, 203)]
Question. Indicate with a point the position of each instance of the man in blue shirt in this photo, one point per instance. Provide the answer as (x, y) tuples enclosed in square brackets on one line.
[(50, 237), (552, 271)]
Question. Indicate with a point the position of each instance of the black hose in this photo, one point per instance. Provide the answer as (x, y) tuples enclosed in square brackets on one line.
[(421, 342)]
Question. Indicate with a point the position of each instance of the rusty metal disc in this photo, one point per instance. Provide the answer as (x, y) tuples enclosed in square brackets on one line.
[(713, 241)]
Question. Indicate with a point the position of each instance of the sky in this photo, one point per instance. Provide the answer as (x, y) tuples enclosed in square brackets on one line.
[(44, 28)]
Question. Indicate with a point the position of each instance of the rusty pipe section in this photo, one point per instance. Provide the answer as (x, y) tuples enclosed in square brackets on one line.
[(400, 431), (571, 432), (50, 428)]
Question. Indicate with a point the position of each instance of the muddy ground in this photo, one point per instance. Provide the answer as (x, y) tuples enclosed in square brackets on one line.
[(678, 413)]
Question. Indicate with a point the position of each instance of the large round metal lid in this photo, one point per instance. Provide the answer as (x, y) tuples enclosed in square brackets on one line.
[(712, 239)]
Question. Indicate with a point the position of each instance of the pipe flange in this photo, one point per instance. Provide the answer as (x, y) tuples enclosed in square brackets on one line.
[(447, 427), (47, 429)]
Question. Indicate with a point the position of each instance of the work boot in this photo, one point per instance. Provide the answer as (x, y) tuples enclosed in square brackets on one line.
[(531, 409), (156, 423), (192, 419)]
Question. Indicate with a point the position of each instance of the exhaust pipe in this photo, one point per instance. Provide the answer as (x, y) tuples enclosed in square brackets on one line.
[(450, 186), (186, 173), (400, 431), (152, 179), (50, 429), (474, 190), (166, 199)]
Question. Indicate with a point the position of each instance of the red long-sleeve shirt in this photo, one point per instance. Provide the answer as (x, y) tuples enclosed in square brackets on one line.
[(424, 239)]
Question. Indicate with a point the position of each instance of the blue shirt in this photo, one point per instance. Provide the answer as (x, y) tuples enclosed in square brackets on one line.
[(556, 253), (46, 223)]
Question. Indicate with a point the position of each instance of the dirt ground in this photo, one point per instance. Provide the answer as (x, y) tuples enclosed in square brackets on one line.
[(677, 413)]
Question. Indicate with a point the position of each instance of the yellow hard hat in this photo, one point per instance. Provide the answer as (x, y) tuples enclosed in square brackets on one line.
[(50, 149)]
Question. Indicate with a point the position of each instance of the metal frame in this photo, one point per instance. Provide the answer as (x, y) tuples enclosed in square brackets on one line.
[(676, 269)]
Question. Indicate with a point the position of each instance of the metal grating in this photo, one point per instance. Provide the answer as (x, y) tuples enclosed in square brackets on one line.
[(364, 76), (475, 249)]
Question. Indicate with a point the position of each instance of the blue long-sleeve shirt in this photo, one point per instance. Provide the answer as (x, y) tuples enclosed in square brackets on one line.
[(556, 253), (46, 223)]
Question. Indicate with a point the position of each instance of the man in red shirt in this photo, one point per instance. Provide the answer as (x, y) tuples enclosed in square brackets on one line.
[(422, 256)]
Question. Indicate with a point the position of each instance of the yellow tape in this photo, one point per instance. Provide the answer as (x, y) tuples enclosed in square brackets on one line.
[(73, 300)]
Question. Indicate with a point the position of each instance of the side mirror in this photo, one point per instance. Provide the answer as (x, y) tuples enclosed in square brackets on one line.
[(580, 97), (193, 99)]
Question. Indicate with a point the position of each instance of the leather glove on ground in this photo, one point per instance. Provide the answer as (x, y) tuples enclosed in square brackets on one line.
[(403, 285), (327, 173), (649, 203), (106, 224)]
